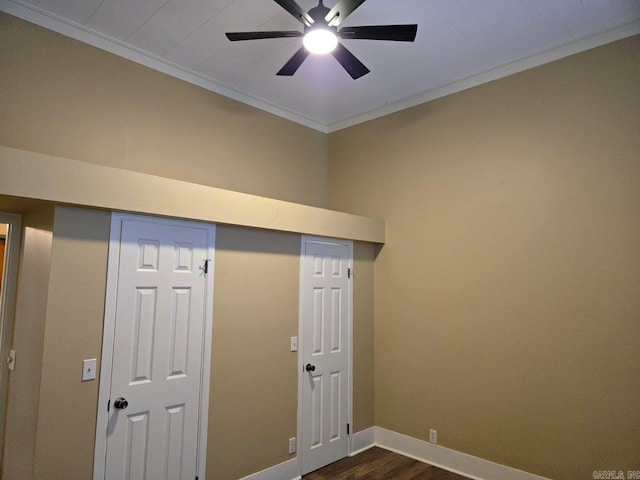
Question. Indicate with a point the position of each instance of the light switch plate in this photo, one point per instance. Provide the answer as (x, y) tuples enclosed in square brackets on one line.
[(11, 361), (89, 369), (294, 344)]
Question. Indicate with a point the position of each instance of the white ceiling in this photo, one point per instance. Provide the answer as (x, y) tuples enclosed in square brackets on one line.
[(460, 43)]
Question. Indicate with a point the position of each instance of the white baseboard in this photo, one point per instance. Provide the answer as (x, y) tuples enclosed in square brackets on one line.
[(364, 440), (289, 470), (447, 459), (457, 462)]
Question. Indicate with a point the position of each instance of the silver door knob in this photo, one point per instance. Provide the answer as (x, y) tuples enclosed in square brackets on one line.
[(121, 403)]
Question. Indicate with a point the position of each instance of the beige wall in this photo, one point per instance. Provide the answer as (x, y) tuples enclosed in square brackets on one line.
[(253, 403), (506, 296), (68, 99), (253, 374), (51, 414), (364, 255), (28, 341), (73, 332), (37, 176), (508, 292)]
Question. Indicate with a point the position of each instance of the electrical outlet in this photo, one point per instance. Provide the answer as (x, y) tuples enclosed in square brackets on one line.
[(433, 436), (292, 446)]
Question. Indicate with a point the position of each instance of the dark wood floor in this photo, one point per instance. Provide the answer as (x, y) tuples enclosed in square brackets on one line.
[(379, 464)]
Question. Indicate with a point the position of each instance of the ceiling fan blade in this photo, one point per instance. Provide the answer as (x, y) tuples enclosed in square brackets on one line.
[(398, 33), (294, 62), (349, 62), (237, 36), (296, 10), (341, 10)]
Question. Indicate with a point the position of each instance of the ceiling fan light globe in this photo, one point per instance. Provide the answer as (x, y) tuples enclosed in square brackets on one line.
[(320, 41)]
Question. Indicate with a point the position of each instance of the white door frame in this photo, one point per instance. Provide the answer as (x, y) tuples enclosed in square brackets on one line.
[(7, 307), (301, 343), (108, 340)]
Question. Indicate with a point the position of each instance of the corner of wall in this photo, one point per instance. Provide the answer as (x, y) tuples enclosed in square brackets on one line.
[(28, 340)]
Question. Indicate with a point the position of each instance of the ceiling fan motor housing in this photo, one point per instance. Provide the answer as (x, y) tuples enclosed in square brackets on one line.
[(321, 34), (319, 14)]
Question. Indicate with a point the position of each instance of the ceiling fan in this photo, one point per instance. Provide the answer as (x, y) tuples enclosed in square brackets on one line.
[(320, 34)]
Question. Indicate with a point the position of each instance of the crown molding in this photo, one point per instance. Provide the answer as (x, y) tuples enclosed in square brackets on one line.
[(37, 16), (556, 53), (33, 14)]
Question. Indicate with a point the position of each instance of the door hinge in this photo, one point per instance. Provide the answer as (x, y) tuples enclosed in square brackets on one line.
[(205, 268), (348, 429), (349, 272)]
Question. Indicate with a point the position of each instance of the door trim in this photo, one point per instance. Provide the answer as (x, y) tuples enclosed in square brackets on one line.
[(301, 343), (104, 394), (7, 308)]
